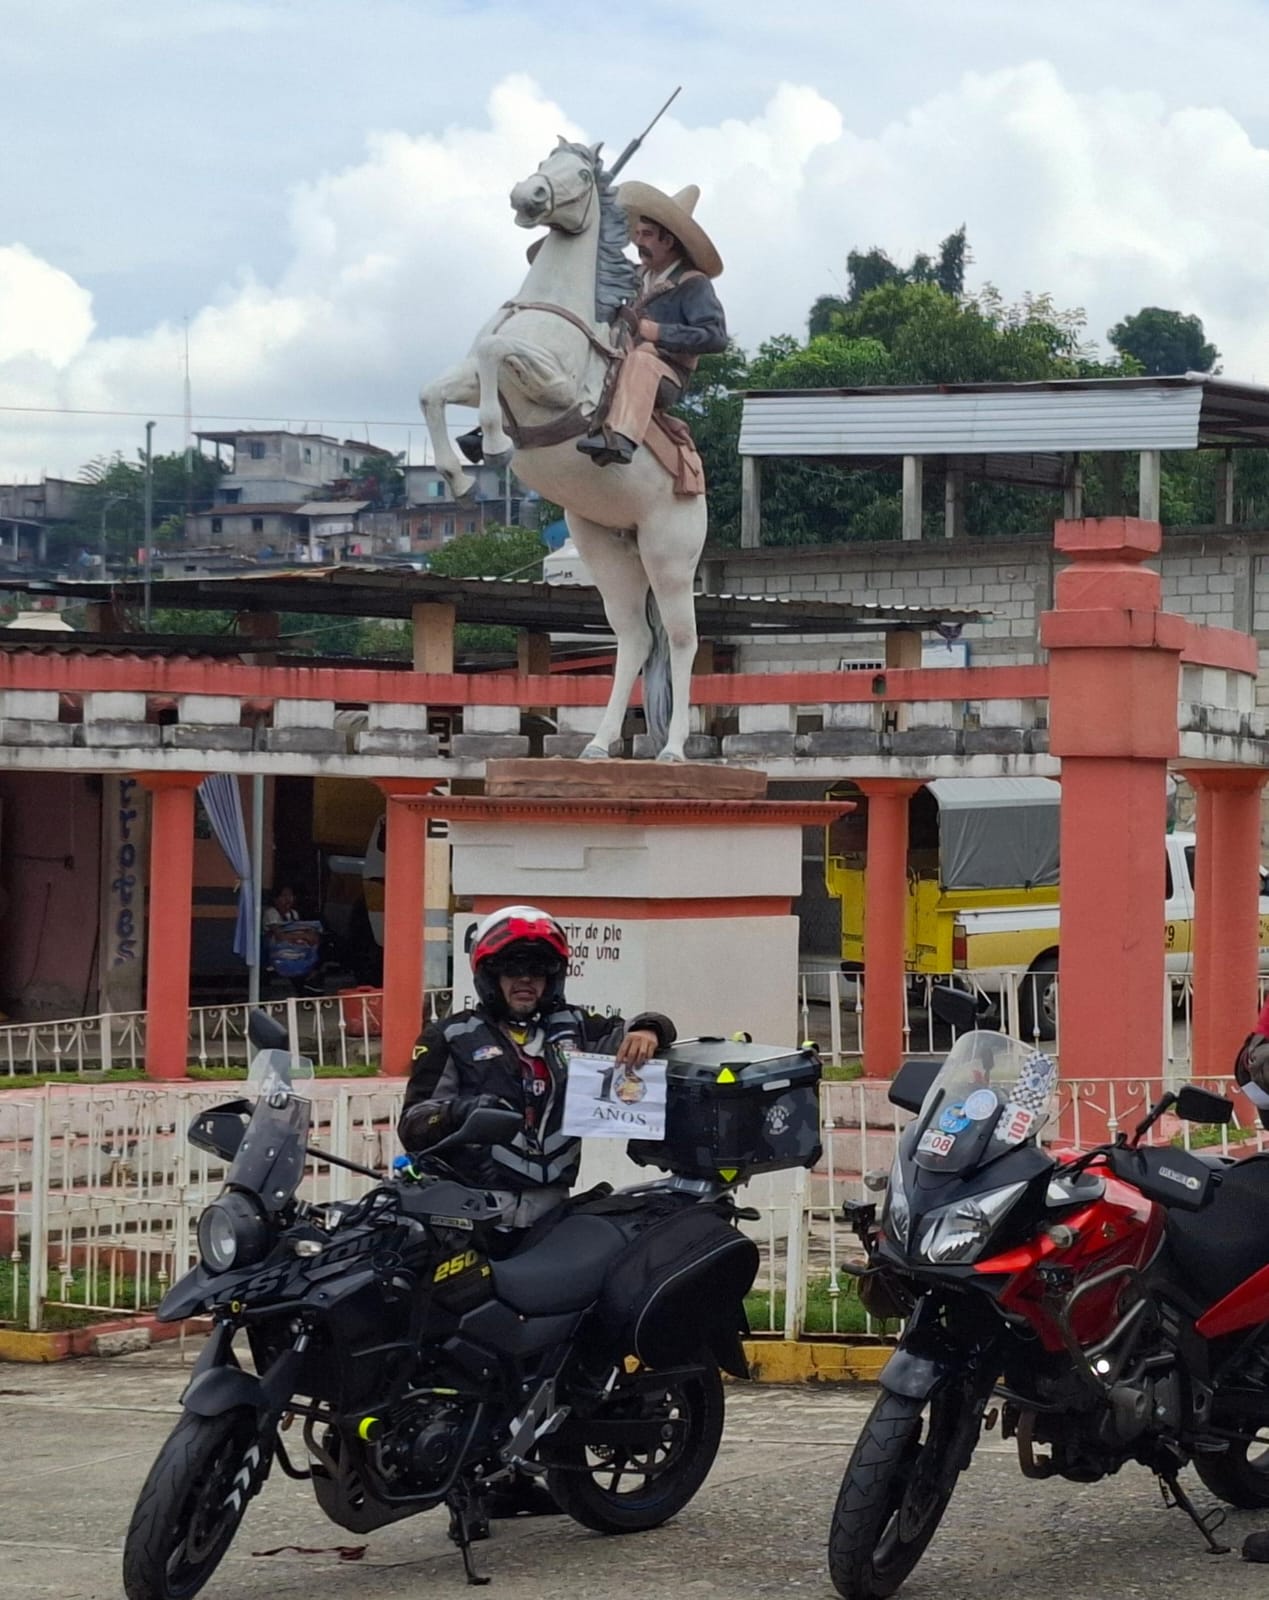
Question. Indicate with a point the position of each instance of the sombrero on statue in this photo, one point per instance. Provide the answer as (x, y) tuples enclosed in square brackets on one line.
[(674, 213)]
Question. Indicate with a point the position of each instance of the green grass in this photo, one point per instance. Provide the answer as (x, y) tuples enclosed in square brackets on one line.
[(851, 1317), (844, 1071), (1207, 1138), (58, 1317)]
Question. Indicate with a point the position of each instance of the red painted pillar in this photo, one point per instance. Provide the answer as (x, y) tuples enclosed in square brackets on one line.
[(1226, 913), (1114, 660), (885, 922), (170, 922), (405, 846)]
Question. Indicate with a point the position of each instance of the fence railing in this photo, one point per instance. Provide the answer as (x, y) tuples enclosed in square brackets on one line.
[(339, 1031), (100, 1191)]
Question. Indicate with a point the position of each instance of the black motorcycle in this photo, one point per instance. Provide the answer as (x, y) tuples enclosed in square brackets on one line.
[(420, 1370)]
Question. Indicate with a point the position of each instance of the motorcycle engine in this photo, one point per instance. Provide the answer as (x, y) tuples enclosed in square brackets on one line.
[(420, 1449)]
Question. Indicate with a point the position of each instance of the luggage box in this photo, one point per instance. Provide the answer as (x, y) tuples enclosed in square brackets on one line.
[(733, 1110)]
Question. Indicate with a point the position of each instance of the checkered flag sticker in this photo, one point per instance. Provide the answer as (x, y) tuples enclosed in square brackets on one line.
[(1035, 1084)]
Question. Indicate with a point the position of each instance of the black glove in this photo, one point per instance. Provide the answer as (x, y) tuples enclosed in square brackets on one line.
[(462, 1106)]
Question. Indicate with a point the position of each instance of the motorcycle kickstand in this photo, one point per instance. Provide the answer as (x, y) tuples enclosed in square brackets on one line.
[(1175, 1495), (468, 1522)]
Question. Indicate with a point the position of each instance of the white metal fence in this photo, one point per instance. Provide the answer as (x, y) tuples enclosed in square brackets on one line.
[(100, 1190), (336, 1031)]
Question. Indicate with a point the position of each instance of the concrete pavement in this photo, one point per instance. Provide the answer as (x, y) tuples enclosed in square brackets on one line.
[(78, 1439)]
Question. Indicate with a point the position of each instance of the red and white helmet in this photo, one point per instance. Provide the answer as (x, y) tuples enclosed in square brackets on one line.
[(518, 934)]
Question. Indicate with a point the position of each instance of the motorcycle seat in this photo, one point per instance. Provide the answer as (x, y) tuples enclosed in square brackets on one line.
[(563, 1273), (1217, 1248)]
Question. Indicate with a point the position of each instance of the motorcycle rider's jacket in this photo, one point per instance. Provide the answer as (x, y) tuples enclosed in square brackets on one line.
[(470, 1054)]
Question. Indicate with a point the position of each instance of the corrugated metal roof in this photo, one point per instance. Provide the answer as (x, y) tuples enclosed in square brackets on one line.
[(973, 419), (331, 508)]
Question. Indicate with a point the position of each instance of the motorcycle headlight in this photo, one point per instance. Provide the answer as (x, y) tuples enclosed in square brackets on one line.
[(957, 1233), (232, 1232), (897, 1218)]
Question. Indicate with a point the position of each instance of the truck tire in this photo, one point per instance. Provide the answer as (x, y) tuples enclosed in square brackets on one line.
[(1037, 999)]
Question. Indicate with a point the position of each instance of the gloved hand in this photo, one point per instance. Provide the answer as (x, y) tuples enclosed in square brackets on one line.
[(462, 1106)]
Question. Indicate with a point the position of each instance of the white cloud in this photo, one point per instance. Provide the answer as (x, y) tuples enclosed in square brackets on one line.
[(1107, 198)]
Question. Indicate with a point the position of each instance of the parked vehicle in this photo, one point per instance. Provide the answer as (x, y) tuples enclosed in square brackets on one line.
[(1100, 1307), (424, 1372), (983, 875)]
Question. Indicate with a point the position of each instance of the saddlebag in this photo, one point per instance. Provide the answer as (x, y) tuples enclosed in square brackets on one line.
[(678, 1288)]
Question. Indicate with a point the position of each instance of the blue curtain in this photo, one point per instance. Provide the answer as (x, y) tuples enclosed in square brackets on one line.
[(223, 804)]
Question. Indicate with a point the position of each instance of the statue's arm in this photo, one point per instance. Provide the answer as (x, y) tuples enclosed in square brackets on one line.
[(703, 328)]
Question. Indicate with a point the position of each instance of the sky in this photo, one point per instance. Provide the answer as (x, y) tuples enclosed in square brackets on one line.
[(313, 193)]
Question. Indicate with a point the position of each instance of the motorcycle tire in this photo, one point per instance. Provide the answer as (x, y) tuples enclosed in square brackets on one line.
[(662, 1481), (191, 1503), (1236, 1477), (879, 1532)]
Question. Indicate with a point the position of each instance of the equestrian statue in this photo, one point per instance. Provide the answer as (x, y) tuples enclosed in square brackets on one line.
[(573, 380)]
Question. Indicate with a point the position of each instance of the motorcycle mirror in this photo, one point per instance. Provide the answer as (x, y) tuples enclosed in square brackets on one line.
[(220, 1130), (1202, 1105), (956, 1007), (911, 1084), (265, 1033)]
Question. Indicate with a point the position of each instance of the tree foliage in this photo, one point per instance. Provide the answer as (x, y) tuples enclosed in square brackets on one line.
[(112, 486), (870, 270), (496, 552), (1164, 342)]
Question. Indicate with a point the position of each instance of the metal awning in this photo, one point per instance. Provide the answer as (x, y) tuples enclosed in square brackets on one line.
[(355, 591), (991, 429)]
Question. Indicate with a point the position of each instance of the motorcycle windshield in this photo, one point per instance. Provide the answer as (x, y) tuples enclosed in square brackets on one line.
[(270, 1160), (991, 1094)]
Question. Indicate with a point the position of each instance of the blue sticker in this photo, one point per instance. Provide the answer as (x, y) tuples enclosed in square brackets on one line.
[(954, 1120), (981, 1105), (486, 1052)]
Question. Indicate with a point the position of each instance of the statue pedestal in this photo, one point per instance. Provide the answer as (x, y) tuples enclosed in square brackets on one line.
[(679, 902)]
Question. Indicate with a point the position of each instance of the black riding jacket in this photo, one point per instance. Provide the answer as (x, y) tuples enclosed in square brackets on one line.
[(469, 1053)]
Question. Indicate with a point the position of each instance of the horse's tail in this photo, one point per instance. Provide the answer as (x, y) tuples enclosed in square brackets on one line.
[(658, 690)]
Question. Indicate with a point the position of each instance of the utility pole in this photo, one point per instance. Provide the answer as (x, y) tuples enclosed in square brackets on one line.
[(149, 513)]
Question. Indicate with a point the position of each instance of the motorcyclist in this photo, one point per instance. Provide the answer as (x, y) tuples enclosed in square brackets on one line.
[(511, 1050)]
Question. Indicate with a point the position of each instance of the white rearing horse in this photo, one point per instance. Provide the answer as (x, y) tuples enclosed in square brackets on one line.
[(547, 354)]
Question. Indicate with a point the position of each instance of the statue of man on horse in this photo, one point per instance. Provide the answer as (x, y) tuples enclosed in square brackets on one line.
[(570, 374)]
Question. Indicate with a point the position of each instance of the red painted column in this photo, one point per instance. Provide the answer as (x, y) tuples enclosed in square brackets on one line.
[(1226, 913), (1114, 659), (885, 922), (170, 922), (405, 846)]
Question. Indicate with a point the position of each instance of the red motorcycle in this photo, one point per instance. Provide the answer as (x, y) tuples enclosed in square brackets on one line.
[(1109, 1306)]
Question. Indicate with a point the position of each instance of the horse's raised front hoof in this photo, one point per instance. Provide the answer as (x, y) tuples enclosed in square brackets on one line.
[(594, 752), (461, 484), (672, 756), (499, 458)]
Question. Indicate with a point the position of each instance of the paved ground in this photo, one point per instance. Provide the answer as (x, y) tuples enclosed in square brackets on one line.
[(78, 1439)]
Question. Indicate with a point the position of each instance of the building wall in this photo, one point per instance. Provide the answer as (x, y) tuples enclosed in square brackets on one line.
[(1218, 579), (50, 846), (288, 466)]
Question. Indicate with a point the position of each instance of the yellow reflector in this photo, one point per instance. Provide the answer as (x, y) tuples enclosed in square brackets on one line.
[(366, 1428), (727, 1173), (726, 1076)]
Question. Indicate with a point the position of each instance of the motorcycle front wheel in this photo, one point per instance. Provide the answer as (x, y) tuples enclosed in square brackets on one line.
[(613, 1489), (894, 1492), (191, 1504)]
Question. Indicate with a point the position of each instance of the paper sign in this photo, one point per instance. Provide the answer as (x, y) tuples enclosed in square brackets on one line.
[(605, 1101)]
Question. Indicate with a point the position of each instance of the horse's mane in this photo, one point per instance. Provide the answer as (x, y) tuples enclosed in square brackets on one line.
[(616, 281)]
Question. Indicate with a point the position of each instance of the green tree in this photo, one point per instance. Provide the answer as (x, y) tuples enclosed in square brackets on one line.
[(870, 270), (382, 480), (1164, 342), (115, 488), (496, 552)]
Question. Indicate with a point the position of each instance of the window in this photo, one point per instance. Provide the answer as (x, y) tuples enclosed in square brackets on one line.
[(436, 490), (256, 449), (257, 524), (347, 463), (447, 528), (217, 525), (308, 453), (470, 525), (232, 496)]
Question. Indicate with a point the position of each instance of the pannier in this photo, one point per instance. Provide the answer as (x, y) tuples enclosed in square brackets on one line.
[(678, 1287), (735, 1109)]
